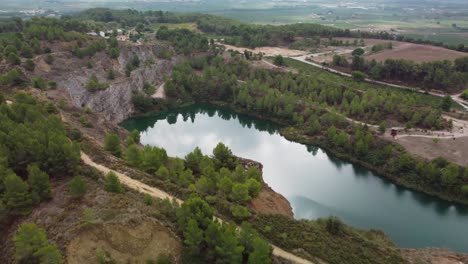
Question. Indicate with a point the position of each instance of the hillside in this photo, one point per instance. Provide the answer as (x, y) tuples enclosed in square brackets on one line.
[(88, 191)]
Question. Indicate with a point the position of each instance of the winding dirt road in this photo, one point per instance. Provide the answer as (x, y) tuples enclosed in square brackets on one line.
[(157, 193), (303, 58)]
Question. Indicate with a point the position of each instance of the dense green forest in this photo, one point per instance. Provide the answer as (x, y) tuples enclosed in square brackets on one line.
[(313, 113)]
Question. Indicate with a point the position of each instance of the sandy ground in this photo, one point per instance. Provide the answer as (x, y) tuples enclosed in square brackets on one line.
[(157, 193), (160, 93), (268, 51), (452, 145), (137, 242), (453, 150)]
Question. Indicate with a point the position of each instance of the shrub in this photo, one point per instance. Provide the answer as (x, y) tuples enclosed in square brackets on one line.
[(29, 65), (52, 85), (49, 59), (279, 61), (112, 144), (148, 199), (142, 102), (94, 85), (358, 52), (13, 59), (110, 74), (358, 76), (88, 217), (240, 212), (334, 225), (12, 77), (77, 187), (112, 183), (39, 82), (465, 94), (90, 172)]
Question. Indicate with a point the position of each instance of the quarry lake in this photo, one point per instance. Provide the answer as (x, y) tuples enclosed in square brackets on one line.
[(315, 183)]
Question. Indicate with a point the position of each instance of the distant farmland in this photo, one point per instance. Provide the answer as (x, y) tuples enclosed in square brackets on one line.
[(417, 53)]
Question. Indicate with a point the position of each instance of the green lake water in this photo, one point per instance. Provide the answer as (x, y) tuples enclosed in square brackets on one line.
[(315, 183)]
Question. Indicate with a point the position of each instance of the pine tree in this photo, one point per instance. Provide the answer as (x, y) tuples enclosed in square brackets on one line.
[(49, 254), (240, 193), (261, 252), (77, 187), (28, 240), (112, 144), (163, 173), (112, 183), (39, 183), (133, 156), (193, 238), (228, 248), (17, 197)]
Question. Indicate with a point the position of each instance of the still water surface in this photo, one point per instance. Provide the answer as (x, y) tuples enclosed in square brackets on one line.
[(315, 183)]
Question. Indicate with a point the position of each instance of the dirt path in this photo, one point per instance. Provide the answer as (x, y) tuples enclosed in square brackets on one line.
[(129, 182), (160, 92), (157, 193), (460, 127), (303, 59)]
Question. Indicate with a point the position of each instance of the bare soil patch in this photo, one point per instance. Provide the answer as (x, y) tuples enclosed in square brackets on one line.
[(137, 243), (270, 202), (269, 51), (455, 150)]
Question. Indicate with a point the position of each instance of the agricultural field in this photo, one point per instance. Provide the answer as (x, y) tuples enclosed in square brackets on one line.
[(189, 26), (400, 50), (417, 53)]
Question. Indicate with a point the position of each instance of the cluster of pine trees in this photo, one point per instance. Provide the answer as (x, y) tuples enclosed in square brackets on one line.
[(310, 103), (217, 178), (441, 75), (208, 241), (34, 146)]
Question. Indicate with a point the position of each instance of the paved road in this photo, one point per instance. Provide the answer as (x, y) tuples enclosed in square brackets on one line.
[(157, 193)]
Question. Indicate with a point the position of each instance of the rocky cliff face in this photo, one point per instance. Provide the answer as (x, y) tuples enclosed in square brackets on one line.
[(115, 102), (268, 201)]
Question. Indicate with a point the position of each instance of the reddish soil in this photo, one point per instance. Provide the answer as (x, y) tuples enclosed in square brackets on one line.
[(270, 202)]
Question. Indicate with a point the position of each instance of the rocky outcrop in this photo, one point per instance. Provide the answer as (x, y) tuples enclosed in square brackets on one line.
[(271, 202), (115, 102), (268, 201)]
